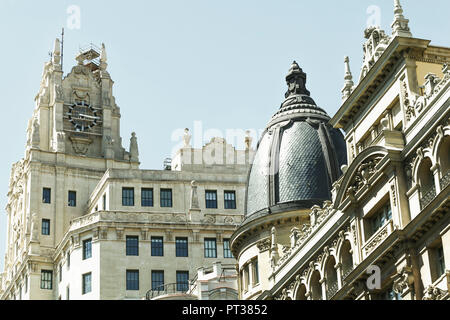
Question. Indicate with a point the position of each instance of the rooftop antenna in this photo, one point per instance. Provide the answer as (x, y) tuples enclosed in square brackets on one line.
[(62, 50)]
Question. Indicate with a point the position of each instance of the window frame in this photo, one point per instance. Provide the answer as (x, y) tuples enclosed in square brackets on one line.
[(129, 247), (72, 199), (87, 251), (44, 194), (84, 287), (155, 273), (154, 250), (166, 202), (208, 250), (128, 197), (228, 201), (212, 202), (46, 281), (47, 224), (150, 200), (182, 284), (227, 249), (132, 284), (179, 247)]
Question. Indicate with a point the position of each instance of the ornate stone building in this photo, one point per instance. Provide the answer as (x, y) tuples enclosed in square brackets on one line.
[(84, 222), (383, 231)]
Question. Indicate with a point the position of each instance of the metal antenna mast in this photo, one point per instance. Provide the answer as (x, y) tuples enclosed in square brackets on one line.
[(62, 50)]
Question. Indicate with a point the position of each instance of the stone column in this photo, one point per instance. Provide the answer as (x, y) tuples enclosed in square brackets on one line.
[(437, 179), (323, 282), (338, 268)]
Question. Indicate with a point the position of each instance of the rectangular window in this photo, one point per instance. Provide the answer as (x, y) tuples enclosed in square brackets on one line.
[(127, 197), (166, 198), (381, 218), (255, 272), (230, 199), (440, 267), (132, 279), (46, 279), (72, 199), (45, 227), (182, 281), (146, 197), (104, 202), (60, 272), (87, 280), (26, 283), (246, 277), (157, 280), (132, 245), (87, 249), (210, 248), (211, 199), (157, 245), (67, 293), (181, 247), (68, 260), (226, 249), (46, 195)]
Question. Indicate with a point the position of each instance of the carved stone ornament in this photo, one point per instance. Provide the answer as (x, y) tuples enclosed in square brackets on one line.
[(364, 172), (80, 144), (59, 93), (264, 245), (404, 281), (228, 220), (433, 293), (119, 233)]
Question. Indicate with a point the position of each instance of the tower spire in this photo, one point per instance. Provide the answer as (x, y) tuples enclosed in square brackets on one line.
[(296, 81), (348, 86), (400, 25), (57, 52), (103, 58)]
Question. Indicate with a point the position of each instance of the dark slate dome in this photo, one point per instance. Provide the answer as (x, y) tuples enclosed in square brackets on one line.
[(299, 155)]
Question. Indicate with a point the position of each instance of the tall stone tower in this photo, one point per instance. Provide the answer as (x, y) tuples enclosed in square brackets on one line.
[(73, 138)]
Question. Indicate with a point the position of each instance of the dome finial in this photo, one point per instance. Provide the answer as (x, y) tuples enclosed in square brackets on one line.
[(296, 81), (348, 86), (400, 25)]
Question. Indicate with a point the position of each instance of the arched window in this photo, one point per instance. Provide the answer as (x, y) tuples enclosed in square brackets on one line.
[(444, 161), (331, 275), (316, 287), (426, 183), (346, 259), (301, 293)]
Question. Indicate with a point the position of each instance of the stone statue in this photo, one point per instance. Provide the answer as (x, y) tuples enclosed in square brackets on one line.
[(274, 256), (36, 137), (134, 150), (34, 227), (248, 140), (194, 196), (187, 138)]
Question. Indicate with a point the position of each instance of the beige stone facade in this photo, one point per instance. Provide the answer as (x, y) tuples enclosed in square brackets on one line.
[(78, 201), (385, 234)]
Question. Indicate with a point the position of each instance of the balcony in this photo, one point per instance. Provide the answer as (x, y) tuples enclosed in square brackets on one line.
[(445, 181), (376, 239), (428, 193), (347, 271), (332, 289), (170, 292)]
